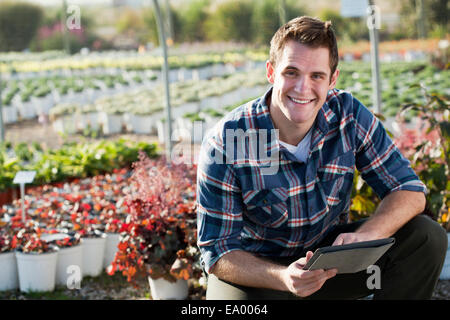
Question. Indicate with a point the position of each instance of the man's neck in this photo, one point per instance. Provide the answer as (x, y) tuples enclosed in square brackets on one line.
[(290, 133)]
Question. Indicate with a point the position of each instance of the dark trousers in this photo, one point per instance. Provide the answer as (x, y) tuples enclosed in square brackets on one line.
[(410, 269)]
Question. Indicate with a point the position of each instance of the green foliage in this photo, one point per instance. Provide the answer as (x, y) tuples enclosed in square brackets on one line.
[(79, 160), (436, 14), (56, 42), (19, 23), (230, 21), (431, 159), (189, 21), (337, 21)]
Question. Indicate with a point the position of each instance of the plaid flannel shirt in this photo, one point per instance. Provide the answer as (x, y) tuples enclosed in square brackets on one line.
[(280, 213)]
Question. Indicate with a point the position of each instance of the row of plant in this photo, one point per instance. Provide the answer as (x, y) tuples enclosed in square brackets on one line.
[(147, 102), (129, 61), (63, 225), (396, 83), (73, 160), (40, 87), (152, 208)]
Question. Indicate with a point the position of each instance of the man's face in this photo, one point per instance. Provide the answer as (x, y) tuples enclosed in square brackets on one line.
[(301, 80)]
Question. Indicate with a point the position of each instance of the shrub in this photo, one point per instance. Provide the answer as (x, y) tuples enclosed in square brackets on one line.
[(231, 21), (19, 23), (159, 236)]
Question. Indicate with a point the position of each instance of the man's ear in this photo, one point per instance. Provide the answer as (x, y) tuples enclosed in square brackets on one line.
[(270, 72), (333, 79)]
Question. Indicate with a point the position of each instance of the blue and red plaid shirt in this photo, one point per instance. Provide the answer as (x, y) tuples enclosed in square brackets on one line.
[(275, 206)]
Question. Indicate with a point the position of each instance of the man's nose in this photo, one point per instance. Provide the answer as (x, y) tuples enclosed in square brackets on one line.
[(303, 84)]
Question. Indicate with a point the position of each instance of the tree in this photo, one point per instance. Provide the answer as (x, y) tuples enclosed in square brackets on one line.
[(191, 18), (265, 18), (436, 14), (231, 21), (19, 23)]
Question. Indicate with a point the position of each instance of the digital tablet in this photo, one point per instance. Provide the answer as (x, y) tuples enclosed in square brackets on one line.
[(349, 258)]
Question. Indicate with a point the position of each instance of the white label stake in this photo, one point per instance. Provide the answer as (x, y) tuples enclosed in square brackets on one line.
[(21, 178)]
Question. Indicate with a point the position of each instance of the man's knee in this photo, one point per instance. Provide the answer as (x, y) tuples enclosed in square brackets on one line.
[(429, 234)]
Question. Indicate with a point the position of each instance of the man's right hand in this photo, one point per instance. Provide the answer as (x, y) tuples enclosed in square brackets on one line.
[(304, 282)]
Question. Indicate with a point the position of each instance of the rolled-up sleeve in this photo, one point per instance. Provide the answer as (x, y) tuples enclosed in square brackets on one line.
[(219, 206), (378, 159)]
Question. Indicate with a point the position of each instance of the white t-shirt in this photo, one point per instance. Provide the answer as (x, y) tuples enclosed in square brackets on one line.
[(301, 150)]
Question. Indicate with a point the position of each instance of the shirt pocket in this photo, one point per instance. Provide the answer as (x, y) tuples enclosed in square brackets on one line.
[(336, 178), (267, 207)]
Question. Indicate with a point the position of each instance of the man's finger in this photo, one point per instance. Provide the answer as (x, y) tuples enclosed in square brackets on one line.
[(339, 241)]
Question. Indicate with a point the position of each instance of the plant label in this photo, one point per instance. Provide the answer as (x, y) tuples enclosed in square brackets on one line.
[(24, 177)]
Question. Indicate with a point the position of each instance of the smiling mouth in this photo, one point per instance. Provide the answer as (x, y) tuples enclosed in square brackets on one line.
[(301, 101)]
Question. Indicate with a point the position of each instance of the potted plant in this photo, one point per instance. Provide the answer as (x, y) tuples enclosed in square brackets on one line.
[(8, 276), (160, 231), (70, 253), (112, 219), (93, 238), (111, 113), (63, 117), (141, 118), (36, 259), (88, 118)]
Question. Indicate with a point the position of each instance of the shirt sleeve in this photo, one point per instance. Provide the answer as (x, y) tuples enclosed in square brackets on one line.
[(219, 205), (378, 159)]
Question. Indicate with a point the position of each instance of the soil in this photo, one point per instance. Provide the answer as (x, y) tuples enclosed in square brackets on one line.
[(107, 287)]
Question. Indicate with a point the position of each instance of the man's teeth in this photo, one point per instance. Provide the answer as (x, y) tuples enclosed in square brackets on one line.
[(301, 101)]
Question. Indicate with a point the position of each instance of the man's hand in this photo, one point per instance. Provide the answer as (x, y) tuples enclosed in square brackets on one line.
[(352, 237), (303, 282)]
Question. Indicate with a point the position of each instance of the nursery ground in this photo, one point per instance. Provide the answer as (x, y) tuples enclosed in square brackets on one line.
[(116, 287), (106, 287)]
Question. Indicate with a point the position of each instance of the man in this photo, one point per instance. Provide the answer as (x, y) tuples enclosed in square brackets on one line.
[(256, 231)]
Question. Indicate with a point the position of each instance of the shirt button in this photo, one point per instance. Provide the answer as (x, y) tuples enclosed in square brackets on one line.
[(265, 201)]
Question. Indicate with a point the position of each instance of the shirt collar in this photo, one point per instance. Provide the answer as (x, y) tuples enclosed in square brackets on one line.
[(325, 117)]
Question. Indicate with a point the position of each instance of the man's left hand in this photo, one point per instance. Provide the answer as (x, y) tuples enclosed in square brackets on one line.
[(352, 237)]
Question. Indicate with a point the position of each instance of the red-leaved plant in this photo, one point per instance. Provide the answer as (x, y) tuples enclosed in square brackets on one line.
[(28, 239), (428, 148), (159, 235)]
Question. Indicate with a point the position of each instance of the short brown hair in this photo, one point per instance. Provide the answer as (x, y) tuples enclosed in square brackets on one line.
[(308, 31)]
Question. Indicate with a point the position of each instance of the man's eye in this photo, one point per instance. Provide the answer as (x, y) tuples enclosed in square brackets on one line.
[(290, 73), (317, 76)]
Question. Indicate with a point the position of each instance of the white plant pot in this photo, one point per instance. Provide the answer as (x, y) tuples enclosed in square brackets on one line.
[(161, 129), (445, 273), (112, 240), (188, 107), (111, 123), (161, 289), (229, 98), (9, 279), (91, 119), (142, 124), (27, 110), (173, 75), (37, 272), (212, 102), (219, 70), (93, 254), (42, 105), (65, 124), (204, 73), (71, 256), (10, 114)]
